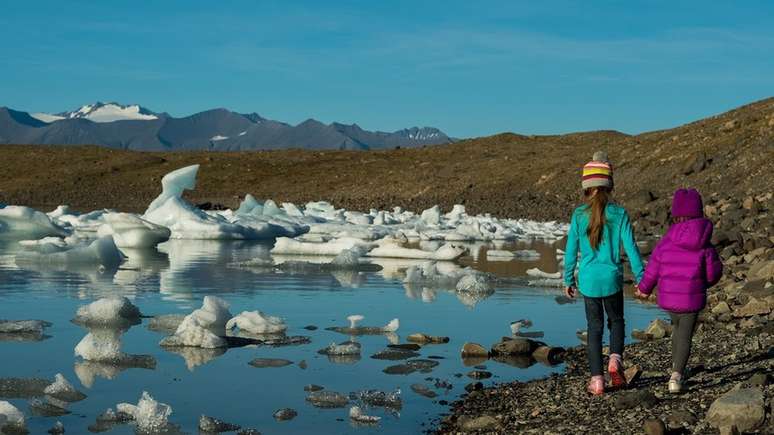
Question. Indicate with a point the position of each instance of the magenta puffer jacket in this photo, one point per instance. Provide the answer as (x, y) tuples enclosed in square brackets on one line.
[(684, 265)]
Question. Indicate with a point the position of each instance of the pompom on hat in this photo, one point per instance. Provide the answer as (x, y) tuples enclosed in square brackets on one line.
[(598, 172)]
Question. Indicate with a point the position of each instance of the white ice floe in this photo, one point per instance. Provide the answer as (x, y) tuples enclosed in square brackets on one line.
[(20, 221), (101, 345), (149, 415), (72, 251), (354, 319), (204, 327), (11, 416), (357, 414), (391, 248), (186, 221), (346, 348), (131, 231), (113, 310), (501, 255), (256, 322), (60, 387), (535, 272), (288, 246)]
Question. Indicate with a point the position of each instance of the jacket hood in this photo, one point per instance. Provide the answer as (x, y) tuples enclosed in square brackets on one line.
[(692, 234)]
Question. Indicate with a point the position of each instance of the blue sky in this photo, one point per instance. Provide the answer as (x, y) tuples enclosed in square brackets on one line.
[(469, 68)]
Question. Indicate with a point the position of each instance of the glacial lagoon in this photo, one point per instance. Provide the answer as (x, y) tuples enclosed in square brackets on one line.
[(221, 383)]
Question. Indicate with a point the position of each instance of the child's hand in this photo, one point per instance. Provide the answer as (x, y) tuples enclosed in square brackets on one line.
[(638, 294), (569, 291)]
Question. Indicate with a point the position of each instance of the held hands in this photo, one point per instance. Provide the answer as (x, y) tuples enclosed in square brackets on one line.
[(639, 295), (570, 291)]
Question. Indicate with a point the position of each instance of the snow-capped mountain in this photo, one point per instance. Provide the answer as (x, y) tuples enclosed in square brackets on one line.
[(102, 112), (135, 127)]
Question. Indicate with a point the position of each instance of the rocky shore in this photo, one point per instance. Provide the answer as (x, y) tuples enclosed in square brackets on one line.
[(728, 390)]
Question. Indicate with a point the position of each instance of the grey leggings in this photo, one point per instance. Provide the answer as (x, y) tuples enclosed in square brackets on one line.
[(683, 325)]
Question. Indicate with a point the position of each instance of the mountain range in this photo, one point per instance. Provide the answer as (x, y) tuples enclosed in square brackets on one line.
[(134, 127)]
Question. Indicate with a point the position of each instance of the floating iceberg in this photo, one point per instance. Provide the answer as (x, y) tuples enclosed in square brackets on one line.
[(11, 418), (186, 221), (256, 322), (535, 272), (346, 348), (391, 248), (131, 231), (357, 414), (288, 246), (20, 221), (62, 389), (149, 415), (71, 251), (355, 329), (204, 327), (116, 310)]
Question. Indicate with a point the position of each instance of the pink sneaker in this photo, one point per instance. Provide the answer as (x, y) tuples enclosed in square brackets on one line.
[(597, 385), (615, 369)]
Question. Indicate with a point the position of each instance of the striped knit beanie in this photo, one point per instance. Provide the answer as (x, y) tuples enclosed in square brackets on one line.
[(598, 172)]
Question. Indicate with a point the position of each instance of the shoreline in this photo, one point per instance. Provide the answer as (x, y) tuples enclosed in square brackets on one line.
[(721, 361), (733, 348)]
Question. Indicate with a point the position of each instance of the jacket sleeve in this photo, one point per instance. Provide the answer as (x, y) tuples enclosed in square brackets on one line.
[(630, 246), (652, 270), (571, 253), (712, 266)]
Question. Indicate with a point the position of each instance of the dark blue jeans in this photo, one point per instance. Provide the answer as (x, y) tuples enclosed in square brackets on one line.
[(596, 308)]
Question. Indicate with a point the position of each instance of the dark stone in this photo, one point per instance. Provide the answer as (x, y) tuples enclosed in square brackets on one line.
[(213, 425), (628, 400), (654, 426), (474, 386)]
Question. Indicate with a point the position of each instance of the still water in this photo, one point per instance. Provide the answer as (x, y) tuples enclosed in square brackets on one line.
[(175, 278)]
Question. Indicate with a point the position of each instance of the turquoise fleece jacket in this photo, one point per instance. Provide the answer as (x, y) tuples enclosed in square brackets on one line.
[(600, 272)]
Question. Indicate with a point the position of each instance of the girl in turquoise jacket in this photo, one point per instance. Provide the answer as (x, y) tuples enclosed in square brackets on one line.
[(598, 229)]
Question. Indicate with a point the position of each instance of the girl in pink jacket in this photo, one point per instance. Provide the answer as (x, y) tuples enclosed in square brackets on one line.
[(683, 265)]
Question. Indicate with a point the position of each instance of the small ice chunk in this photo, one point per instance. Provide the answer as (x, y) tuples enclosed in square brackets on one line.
[(355, 319), (115, 310), (288, 246), (540, 274), (345, 348), (204, 327), (131, 231), (356, 414), (62, 389), (518, 324), (11, 416), (72, 251), (256, 322), (475, 283), (432, 216), (24, 221), (149, 415)]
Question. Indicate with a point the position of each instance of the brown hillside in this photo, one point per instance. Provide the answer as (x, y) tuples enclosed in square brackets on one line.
[(729, 155)]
